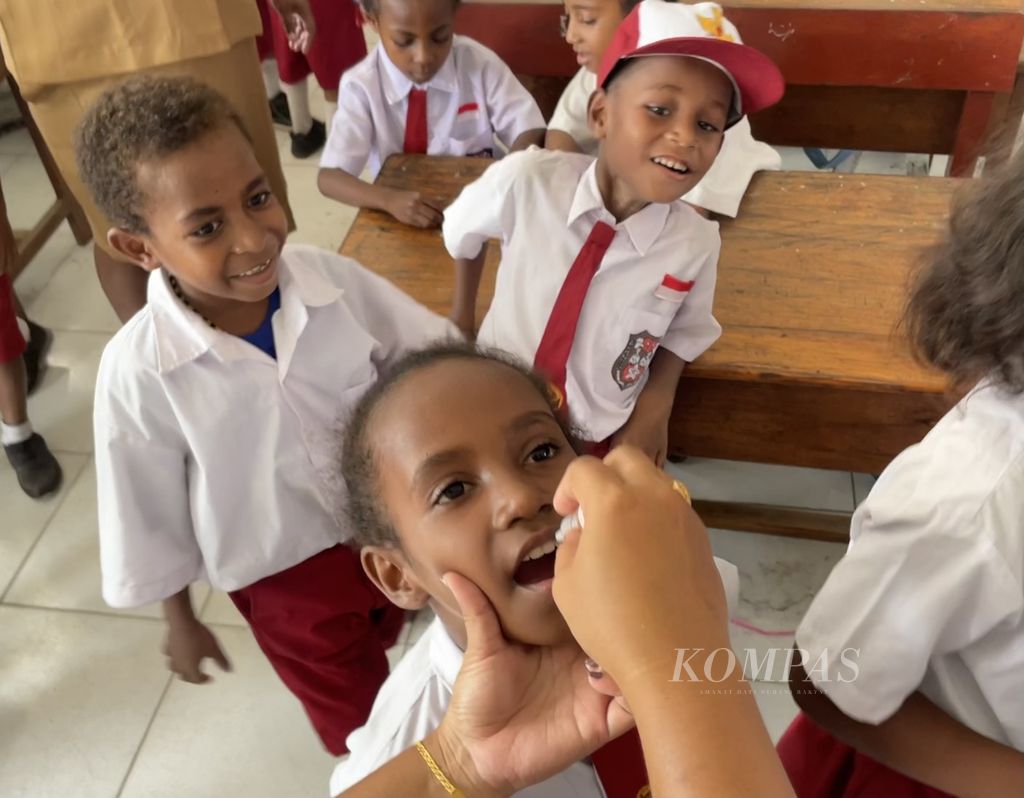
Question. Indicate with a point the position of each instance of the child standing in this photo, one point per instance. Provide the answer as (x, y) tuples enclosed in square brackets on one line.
[(588, 27), (452, 460), (338, 45), (607, 280), (930, 595), (215, 404), (422, 90)]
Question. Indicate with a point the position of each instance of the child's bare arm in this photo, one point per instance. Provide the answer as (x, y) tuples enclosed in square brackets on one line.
[(647, 427), (188, 641), (467, 285), (406, 206), (921, 741), (528, 138), (560, 140)]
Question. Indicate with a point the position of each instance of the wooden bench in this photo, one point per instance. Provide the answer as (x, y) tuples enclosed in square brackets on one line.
[(811, 282), (927, 76)]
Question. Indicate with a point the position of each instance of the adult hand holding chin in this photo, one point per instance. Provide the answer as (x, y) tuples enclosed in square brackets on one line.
[(518, 714)]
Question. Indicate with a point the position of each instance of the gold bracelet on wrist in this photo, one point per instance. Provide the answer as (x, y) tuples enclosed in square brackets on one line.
[(442, 779)]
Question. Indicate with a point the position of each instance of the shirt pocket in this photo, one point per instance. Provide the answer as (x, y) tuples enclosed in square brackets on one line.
[(640, 329), (471, 133)]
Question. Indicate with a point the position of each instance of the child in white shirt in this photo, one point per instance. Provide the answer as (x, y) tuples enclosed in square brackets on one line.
[(422, 89), (215, 405), (588, 27), (452, 461), (607, 280), (928, 602)]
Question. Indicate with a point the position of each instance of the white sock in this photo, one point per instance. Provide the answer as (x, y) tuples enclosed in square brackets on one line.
[(16, 433), (298, 106), (332, 109), (270, 78)]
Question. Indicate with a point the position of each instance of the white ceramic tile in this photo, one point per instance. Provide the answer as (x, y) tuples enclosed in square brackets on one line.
[(7, 160), (220, 609), (17, 142), (40, 270), (778, 579), (76, 692), (730, 480), (23, 518), (28, 192), (61, 408), (73, 298), (242, 734), (882, 163), (63, 571), (862, 485), (319, 220), (777, 707)]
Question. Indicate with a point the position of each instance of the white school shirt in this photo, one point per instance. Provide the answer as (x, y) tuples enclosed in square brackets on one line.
[(210, 454), (472, 98), (721, 190), (543, 204), (931, 590), (415, 697)]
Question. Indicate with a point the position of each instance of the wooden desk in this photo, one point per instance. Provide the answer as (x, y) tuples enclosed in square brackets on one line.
[(812, 279)]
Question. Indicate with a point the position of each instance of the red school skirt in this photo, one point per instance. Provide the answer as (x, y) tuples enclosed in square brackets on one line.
[(338, 44), (820, 766), (325, 626)]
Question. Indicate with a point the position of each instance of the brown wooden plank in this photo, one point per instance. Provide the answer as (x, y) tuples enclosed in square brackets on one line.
[(862, 118), (770, 520), (916, 50), (799, 424), (31, 242)]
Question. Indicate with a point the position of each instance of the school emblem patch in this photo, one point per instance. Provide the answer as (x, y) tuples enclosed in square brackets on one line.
[(630, 366)]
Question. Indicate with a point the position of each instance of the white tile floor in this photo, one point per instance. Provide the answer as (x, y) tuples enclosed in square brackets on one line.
[(86, 706)]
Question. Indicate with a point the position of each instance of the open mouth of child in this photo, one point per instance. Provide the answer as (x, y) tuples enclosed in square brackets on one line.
[(257, 273), (536, 570), (676, 169)]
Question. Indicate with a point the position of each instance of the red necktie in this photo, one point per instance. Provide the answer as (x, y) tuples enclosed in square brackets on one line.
[(416, 122), (621, 769), (556, 343)]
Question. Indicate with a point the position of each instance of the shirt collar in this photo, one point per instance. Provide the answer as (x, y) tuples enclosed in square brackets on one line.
[(397, 86), (643, 227), (183, 335), (444, 654)]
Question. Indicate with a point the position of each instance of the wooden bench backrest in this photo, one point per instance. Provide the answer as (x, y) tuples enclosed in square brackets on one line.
[(890, 80)]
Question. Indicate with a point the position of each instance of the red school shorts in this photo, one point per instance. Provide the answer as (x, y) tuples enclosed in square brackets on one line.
[(325, 626), (337, 45), (12, 343), (820, 766)]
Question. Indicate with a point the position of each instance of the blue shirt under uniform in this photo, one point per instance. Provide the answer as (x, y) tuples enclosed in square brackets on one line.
[(263, 337)]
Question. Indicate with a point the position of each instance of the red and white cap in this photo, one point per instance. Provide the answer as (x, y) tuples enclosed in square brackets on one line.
[(658, 27)]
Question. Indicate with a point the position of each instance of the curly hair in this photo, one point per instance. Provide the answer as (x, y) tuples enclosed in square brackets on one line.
[(965, 313), (141, 119), (362, 511), (371, 8)]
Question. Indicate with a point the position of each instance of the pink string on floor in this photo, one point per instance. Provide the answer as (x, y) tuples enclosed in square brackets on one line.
[(765, 632)]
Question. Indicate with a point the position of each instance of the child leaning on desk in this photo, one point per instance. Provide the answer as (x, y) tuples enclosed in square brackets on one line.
[(422, 90), (217, 402), (588, 26), (607, 279), (912, 673)]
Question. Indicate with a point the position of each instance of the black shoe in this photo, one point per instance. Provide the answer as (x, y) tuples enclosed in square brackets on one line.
[(279, 112), (39, 341), (305, 144), (38, 471)]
